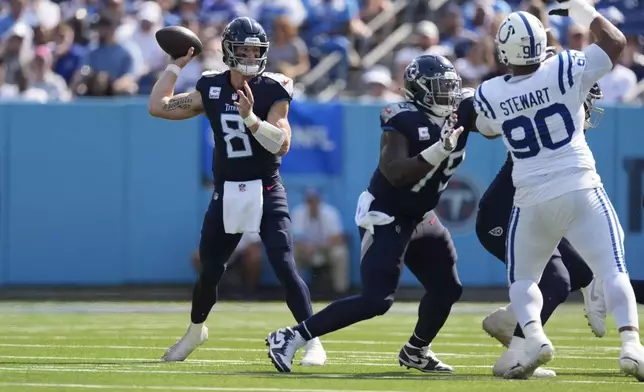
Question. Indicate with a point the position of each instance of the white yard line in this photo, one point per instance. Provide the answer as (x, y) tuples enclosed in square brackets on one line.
[(179, 388)]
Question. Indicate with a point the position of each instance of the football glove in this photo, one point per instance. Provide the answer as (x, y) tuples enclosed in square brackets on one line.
[(581, 11), (449, 135)]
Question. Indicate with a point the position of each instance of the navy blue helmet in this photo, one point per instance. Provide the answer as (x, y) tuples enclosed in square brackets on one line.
[(245, 46), (433, 84)]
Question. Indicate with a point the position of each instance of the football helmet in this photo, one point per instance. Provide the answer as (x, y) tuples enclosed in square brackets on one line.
[(432, 83), (245, 46)]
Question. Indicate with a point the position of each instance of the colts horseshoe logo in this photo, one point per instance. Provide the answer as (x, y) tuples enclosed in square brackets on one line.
[(510, 32)]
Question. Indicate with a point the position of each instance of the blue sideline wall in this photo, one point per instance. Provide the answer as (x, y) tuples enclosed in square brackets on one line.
[(100, 193)]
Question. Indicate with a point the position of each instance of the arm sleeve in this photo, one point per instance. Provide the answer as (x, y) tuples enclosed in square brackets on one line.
[(484, 114)]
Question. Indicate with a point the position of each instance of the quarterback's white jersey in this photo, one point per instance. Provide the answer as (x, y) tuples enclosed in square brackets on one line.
[(541, 118)]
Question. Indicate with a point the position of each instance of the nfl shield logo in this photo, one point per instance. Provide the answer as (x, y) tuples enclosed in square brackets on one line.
[(235, 96), (242, 187)]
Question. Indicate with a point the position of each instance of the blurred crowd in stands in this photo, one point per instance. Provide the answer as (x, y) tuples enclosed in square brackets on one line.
[(56, 50)]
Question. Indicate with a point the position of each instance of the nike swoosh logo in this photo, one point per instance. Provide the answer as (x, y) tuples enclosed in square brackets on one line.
[(270, 187), (418, 361), (277, 341)]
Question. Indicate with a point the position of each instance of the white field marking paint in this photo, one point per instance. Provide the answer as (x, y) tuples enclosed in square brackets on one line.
[(132, 367), (479, 379), (457, 355), (570, 349), (178, 388)]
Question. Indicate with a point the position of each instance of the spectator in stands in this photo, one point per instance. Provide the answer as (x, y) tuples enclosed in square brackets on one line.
[(577, 37), (453, 34), (18, 12), (112, 58), (478, 62), (267, 11), (191, 73), (327, 30), (426, 42), (319, 239), (617, 83), (246, 259), (633, 58), (218, 13), (378, 86), (143, 42), (17, 51), (68, 54), (43, 78), (288, 53), (621, 80), (169, 18), (93, 84), (150, 20), (8, 91)]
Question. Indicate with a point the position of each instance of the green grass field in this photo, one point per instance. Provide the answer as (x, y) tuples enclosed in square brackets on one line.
[(117, 346)]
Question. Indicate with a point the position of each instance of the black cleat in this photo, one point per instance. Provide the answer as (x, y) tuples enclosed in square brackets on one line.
[(422, 359)]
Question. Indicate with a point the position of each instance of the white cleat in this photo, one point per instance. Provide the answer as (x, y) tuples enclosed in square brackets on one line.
[(314, 354), (538, 350), (500, 325), (282, 346), (194, 337), (595, 307), (512, 357), (631, 360)]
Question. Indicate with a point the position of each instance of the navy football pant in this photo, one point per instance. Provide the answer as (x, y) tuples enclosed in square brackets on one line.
[(216, 247), (428, 252)]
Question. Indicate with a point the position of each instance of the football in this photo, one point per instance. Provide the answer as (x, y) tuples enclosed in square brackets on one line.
[(176, 40)]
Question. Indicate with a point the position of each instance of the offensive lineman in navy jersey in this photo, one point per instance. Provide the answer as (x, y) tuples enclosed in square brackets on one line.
[(420, 148), (247, 109)]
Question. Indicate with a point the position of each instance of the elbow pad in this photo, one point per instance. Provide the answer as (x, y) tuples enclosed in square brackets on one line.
[(270, 137)]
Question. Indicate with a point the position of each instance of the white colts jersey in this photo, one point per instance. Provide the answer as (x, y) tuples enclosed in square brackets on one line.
[(541, 118)]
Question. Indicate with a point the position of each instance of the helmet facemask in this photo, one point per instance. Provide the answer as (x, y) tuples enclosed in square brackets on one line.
[(440, 94), (248, 58), (593, 113)]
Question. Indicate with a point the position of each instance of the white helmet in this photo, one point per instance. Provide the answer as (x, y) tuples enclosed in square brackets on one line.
[(521, 40)]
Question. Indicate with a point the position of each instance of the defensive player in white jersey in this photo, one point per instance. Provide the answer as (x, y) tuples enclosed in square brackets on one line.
[(538, 109)]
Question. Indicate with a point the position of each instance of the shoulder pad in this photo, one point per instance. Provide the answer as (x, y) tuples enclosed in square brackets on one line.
[(392, 110), (282, 80), (211, 72), (467, 92)]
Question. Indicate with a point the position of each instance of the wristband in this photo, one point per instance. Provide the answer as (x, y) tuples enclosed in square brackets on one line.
[(434, 154), (174, 68), (251, 120)]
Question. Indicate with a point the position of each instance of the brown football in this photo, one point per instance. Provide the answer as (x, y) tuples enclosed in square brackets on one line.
[(176, 40)]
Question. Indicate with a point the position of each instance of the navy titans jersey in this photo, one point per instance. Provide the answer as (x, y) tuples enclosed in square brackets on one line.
[(237, 155), (406, 118)]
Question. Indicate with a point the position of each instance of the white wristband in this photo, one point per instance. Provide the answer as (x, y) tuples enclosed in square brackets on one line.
[(251, 120), (585, 16), (174, 68), (434, 154)]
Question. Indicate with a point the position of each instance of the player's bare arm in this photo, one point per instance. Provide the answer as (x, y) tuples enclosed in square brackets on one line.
[(165, 104), (274, 134), (396, 165), (609, 38)]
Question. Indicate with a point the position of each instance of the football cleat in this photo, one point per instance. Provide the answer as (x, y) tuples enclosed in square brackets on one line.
[(314, 354), (500, 325), (595, 307), (538, 350), (194, 337), (510, 358), (631, 360), (282, 345), (422, 359)]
